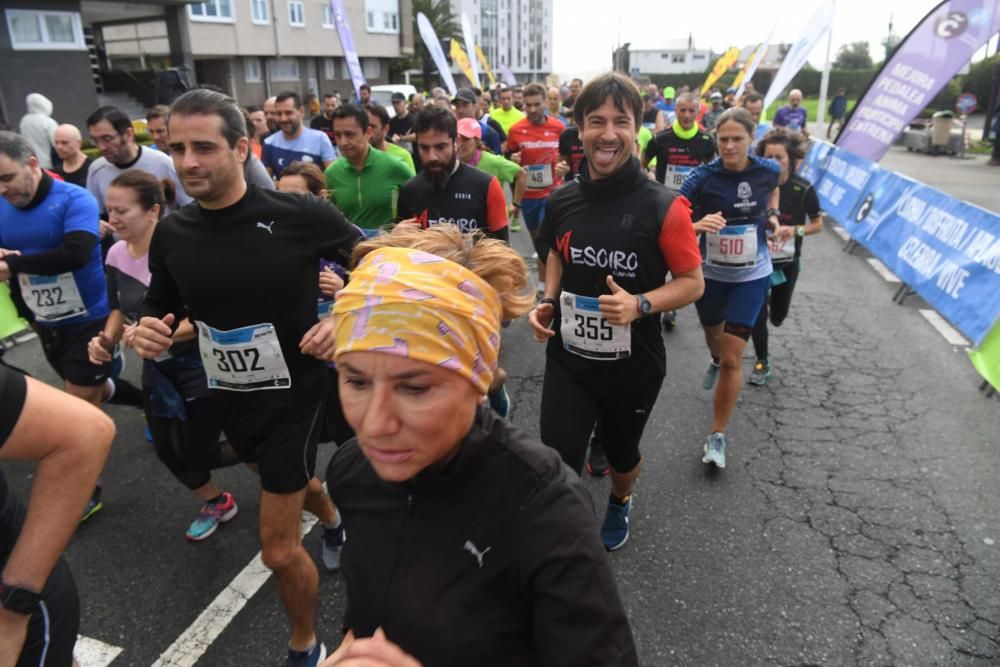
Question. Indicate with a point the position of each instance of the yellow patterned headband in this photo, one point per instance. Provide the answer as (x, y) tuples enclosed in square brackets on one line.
[(418, 305)]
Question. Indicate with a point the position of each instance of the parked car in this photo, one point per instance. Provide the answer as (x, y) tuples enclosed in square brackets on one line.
[(383, 94)]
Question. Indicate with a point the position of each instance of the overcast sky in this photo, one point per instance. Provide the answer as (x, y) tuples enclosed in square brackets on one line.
[(586, 31)]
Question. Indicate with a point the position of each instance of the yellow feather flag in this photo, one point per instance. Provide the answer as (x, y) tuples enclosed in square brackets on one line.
[(486, 65), (746, 67), (462, 60), (721, 65)]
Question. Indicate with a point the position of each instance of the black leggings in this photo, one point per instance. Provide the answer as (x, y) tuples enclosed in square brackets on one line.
[(190, 448), (780, 301)]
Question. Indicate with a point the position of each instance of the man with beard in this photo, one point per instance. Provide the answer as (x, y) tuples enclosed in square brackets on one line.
[(447, 190), (364, 183), (294, 143), (792, 117), (324, 121)]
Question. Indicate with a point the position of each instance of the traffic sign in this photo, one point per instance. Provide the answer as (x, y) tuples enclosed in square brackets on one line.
[(966, 103)]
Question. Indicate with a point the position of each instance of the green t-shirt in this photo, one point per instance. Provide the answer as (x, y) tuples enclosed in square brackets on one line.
[(506, 118), (403, 154), (499, 166), (367, 197), (645, 135)]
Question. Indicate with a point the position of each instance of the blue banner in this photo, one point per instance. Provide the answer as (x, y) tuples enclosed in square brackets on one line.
[(946, 249)]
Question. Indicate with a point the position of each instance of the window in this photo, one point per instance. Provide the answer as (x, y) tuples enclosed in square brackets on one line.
[(260, 12), (329, 69), (371, 68), (251, 70), (50, 31), (371, 21), (296, 14), (285, 69), (212, 10), (328, 20), (382, 16), (677, 58)]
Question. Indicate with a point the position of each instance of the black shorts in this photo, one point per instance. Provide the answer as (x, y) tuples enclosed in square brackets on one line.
[(13, 389), (571, 409), (66, 351), (281, 441), (336, 428)]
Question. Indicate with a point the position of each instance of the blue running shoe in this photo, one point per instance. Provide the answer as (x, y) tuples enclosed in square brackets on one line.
[(310, 658), (761, 373), (500, 401), (711, 375), (210, 516), (614, 532), (333, 541), (715, 450)]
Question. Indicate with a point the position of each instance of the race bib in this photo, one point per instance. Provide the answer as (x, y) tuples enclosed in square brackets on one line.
[(323, 308), (733, 246), (244, 359), (586, 333), (51, 298), (539, 175), (782, 250), (676, 174)]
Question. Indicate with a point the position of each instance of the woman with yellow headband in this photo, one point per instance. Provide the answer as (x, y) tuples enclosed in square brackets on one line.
[(470, 542)]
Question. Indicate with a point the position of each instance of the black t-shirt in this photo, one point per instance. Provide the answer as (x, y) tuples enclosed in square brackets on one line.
[(681, 154), (400, 126), (252, 263), (471, 199), (78, 177), (633, 229), (799, 204), (324, 125), (570, 144)]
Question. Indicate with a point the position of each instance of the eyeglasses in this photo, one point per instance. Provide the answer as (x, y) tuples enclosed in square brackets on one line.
[(105, 139)]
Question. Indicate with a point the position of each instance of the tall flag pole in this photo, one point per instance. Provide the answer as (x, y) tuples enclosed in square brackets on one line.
[(824, 83)]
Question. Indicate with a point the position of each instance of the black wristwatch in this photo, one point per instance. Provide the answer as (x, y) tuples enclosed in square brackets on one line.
[(19, 600), (549, 300), (645, 307)]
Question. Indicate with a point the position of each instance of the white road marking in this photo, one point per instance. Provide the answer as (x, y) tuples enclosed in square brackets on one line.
[(94, 653), (883, 271), (949, 332), (841, 232), (193, 642)]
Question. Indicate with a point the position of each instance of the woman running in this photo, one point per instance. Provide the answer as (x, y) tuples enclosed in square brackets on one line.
[(180, 414), (734, 201), (800, 216)]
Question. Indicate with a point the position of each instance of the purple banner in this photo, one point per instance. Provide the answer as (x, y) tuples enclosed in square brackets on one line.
[(347, 43), (941, 44), (508, 76)]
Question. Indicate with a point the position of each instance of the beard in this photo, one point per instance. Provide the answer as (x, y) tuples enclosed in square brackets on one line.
[(438, 173)]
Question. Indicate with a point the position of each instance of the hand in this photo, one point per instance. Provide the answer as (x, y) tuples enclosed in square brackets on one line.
[(619, 307), (319, 341), (4, 252), (785, 232), (516, 157), (128, 335), (4, 271), (773, 226), (513, 212), (562, 168), (712, 222), (375, 652), (152, 336), (105, 229), (330, 283), (540, 319), (99, 349), (13, 630)]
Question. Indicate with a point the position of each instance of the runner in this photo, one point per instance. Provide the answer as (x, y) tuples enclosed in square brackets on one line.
[(294, 142), (51, 256), (324, 121), (156, 122), (605, 360), (471, 153), (506, 114), (666, 105), (364, 183), (75, 163), (491, 525), (181, 417), (570, 153), (652, 118), (401, 125), (754, 103), (800, 216), (536, 138), (734, 201), (258, 334), (575, 86), (70, 440), (711, 116), (466, 104), (38, 127), (271, 117), (792, 117), (553, 104), (378, 121), (364, 94), (838, 111)]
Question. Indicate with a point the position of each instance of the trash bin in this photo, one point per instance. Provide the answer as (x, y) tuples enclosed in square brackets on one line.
[(941, 123)]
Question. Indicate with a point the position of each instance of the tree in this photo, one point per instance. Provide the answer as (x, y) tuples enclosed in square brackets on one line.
[(853, 56), (439, 13)]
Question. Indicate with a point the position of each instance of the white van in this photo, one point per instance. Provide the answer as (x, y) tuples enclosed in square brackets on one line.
[(383, 94)]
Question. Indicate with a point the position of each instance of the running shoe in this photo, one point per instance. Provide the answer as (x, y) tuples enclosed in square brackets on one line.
[(515, 225), (669, 320), (597, 464), (333, 541), (711, 375), (761, 373), (211, 515), (614, 532), (310, 658), (500, 401), (94, 505), (715, 450)]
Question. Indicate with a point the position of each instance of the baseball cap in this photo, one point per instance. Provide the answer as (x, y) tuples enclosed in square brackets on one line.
[(669, 93), (730, 90), (464, 95), (398, 97), (715, 96), (469, 127)]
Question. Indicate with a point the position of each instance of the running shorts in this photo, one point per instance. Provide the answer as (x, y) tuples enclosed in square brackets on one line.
[(736, 304), (533, 211), (66, 351)]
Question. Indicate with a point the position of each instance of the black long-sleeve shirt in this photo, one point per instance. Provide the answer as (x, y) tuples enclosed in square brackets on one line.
[(248, 264)]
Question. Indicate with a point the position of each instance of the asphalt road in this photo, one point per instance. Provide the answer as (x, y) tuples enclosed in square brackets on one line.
[(856, 523)]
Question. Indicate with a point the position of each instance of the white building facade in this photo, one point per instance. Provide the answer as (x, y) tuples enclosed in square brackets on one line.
[(516, 33), (679, 56)]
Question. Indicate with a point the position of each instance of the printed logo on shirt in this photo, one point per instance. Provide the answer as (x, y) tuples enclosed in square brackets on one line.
[(476, 553), (463, 195), (744, 192), (619, 262), (261, 225), (562, 245), (627, 221)]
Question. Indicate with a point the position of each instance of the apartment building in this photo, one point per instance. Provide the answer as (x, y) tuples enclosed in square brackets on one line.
[(516, 33), (676, 56)]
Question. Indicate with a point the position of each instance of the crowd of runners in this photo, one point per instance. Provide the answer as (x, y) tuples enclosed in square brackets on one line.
[(350, 282)]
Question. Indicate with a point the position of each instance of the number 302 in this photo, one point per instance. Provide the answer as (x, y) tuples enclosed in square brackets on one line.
[(238, 361)]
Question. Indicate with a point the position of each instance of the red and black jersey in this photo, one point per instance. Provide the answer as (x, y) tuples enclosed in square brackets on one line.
[(570, 146), (669, 150), (470, 198), (628, 227)]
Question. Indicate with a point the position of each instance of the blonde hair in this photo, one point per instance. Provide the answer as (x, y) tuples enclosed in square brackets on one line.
[(492, 260)]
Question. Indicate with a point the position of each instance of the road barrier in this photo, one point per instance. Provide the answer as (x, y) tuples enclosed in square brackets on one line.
[(944, 249)]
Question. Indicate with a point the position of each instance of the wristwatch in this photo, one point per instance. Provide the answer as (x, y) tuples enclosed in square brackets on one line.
[(800, 231), (645, 307), (19, 600)]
